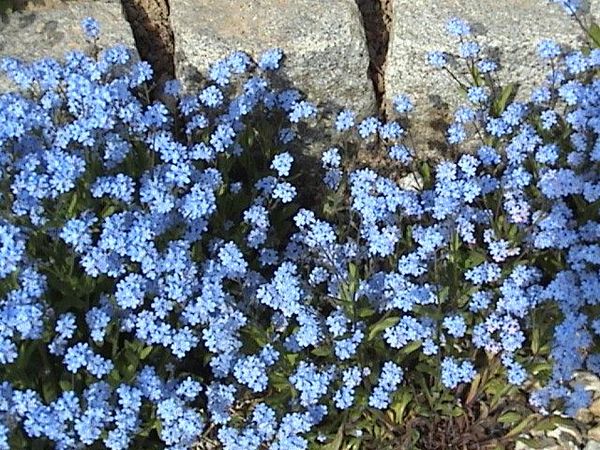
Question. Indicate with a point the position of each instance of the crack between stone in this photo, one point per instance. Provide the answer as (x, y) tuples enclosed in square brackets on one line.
[(154, 38), (151, 26), (377, 19)]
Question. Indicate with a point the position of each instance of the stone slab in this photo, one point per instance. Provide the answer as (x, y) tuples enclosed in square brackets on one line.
[(324, 43), (52, 31), (512, 28)]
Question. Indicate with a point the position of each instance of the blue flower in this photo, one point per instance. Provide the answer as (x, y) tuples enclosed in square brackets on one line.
[(570, 6), (220, 73), (172, 88), (458, 27), (402, 103), (455, 372), (455, 325), (98, 319), (251, 371), (407, 330), (477, 95), (437, 59), (548, 49), (469, 49), (232, 260), (302, 110), (483, 273), (211, 96), (331, 158), (282, 163), (310, 382), (283, 292), (486, 66), (238, 62), (390, 130), (91, 28), (344, 120), (456, 133), (120, 187), (131, 291), (181, 425), (351, 378), (579, 398), (284, 191), (368, 127), (346, 348), (389, 379), (12, 248), (271, 59), (220, 399), (401, 153)]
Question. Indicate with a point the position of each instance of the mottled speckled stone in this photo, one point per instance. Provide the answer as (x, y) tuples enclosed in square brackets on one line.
[(511, 28), (324, 42), (50, 32)]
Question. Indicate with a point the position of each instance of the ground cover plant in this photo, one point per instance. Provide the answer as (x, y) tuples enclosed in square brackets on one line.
[(163, 285)]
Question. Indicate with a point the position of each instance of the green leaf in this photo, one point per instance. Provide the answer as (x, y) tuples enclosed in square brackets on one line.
[(551, 423), (49, 390), (383, 324), (353, 271), (475, 258), (425, 172), (65, 385), (146, 352), (522, 425), (540, 367), (474, 390), (108, 211), (409, 348), (535, 341), (365, 312), (336, 444), (510, 417), (324, 350), (291, 357), (131, 356), (594, 33), (72, 205), (399, 406), (507, 93)]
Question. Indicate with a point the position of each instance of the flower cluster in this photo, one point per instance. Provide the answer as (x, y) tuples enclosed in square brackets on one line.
[(162, 283)]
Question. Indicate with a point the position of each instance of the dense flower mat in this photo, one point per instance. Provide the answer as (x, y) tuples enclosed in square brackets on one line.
[(163, 284)]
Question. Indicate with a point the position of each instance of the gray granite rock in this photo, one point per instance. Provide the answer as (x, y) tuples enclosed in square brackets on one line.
[(50, 32), (512, 28), (324, 42)]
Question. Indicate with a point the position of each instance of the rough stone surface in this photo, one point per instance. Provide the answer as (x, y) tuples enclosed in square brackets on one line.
[(584, 416), (327, 56), (590, 381), (594, 433), (512, 28), (592, 445), (547, 445), (50, 32)]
